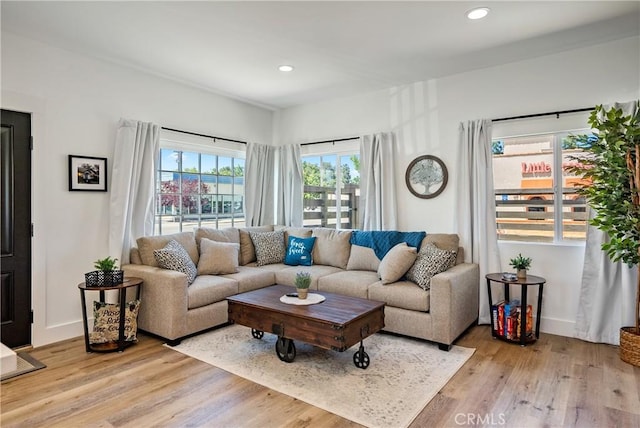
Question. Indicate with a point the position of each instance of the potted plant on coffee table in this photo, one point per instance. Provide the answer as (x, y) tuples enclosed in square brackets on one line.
[(521, 265), (610, 166), (303, 281), (106, 275)]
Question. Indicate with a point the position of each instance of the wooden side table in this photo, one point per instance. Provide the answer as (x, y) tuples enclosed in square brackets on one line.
[(122, 297), (524, 283)]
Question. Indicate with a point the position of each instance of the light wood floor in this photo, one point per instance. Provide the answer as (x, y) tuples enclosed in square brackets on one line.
[(556, 382)]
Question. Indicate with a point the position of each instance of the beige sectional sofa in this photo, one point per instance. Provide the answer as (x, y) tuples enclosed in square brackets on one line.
[(172, 309)]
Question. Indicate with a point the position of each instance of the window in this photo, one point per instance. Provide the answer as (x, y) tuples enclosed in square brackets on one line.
[(536, 197), (331, 190), (198, 189)]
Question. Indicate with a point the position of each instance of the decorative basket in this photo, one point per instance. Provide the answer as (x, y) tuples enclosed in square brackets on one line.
[(99, 278), (630, 346)]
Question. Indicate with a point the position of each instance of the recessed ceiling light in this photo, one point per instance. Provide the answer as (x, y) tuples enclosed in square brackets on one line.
[(478, 13), (286, 68)]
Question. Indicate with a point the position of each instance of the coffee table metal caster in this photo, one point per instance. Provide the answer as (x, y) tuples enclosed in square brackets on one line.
[(285, 349), (361, 358), (257, 333)]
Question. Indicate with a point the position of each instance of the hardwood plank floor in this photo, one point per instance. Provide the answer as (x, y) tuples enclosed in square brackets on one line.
[(557, 381)]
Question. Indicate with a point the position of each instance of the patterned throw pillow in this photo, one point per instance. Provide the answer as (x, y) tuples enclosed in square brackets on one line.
[(431, 261), (173, 256), (106, 322), (299, 251), (269, 247)]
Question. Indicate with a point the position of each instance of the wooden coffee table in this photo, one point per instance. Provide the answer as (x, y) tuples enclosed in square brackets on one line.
[(338, 323)]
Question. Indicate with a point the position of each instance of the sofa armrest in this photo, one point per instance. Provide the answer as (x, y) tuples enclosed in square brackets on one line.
[(163, 300), (454, 301)]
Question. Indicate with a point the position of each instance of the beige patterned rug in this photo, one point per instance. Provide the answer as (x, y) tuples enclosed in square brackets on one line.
[(403, 376)]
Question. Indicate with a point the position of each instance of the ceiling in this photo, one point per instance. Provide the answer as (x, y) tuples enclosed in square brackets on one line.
[(338, 48)]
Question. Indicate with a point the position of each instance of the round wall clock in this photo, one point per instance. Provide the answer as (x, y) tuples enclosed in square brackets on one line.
[(426, 176)]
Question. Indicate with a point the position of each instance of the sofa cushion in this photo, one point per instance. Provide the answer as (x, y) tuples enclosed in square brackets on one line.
[(269, 246), (208, 289), (349, 283), (173, 256), (363, 258), (332, 247), (401, 294), (218, 258), (396, 263), (147, 244), (300, 232), (252, 278), (444, 241), (228, 234), (431, 261), (299, 251), (247, 250), (287, 276)]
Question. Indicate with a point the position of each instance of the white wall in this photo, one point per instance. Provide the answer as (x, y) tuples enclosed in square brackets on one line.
[(426, 115), (76, 102)]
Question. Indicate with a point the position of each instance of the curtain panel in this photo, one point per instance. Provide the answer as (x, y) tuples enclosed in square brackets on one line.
[(259, 184), (607, 293), (476, 213), (132, 207), (290, 186), (378, 203)]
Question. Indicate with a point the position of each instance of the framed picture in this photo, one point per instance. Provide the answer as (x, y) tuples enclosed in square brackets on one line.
[(426, 176), (87, 173)]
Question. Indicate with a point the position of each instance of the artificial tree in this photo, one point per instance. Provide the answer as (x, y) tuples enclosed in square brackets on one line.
[(610, 166)]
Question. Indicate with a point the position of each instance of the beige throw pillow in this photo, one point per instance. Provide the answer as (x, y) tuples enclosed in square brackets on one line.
[(218, 258), (396, 263), (332, 247)]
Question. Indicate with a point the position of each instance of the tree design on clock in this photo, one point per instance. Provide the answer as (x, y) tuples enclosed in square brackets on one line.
[(426, 176)]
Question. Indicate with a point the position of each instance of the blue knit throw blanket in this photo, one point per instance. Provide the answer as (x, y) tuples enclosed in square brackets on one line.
[(381, 241)]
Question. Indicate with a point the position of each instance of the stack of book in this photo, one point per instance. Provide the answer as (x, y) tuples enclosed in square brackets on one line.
[(507, 317)]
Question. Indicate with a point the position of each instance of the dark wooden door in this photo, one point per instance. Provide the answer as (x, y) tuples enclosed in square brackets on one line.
[(15, 229)]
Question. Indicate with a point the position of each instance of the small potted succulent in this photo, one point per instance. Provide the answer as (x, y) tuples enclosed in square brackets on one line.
[(106, 275), (520, 264), (303, 281)]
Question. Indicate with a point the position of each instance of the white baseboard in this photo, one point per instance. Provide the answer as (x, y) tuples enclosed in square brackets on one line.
[(558, 327), (57, 333)]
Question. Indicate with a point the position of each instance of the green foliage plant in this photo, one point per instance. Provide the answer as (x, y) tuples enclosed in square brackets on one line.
[(106, 265), (520, 262), (303, 280), (610, 167)]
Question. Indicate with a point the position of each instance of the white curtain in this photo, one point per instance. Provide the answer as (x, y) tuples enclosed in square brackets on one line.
[(131, 209), (475, 209), (378, 182), (259, 184), (289, 211), (607, 295)]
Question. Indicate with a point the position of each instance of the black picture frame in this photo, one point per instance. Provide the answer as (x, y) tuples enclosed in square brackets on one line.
[(426, 176), (87, 174)]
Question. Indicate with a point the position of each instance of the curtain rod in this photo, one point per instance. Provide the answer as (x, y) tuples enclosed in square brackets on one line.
[(556, 113), (204, 135), (330, 141)]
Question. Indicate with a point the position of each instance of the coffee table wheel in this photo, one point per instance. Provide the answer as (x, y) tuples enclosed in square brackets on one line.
[(285, 349), (361, 358), (257, 333)]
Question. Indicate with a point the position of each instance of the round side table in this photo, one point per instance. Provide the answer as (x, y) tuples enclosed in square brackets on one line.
[(524, 283), (120, 344)]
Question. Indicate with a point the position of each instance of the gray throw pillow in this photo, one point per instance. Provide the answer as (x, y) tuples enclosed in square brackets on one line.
[(173, 256), (270, 247), (431, 261)]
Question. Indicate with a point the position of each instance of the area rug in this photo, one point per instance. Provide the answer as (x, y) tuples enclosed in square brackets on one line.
[(25, 364), (403, 376)]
